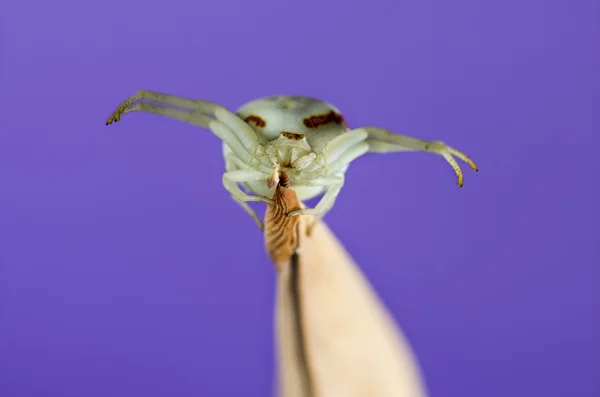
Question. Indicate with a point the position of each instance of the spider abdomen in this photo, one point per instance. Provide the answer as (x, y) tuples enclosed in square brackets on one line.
[(269, 117)]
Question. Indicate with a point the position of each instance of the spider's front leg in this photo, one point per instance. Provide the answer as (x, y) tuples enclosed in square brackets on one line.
[(230, 182), (334, 185), (383, 141), (240, 172), (232, 130)]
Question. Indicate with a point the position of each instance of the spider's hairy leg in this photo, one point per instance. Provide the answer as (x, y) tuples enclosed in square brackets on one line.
[(338, 147), (351, 154), (198, 119), (250, 212), (165, 99), (334, 185), (232, 177), (234, 163), (224, 118), (383, 141)]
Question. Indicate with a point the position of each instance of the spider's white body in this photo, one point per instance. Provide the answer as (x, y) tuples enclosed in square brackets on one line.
[(294, 133), (306, 137)]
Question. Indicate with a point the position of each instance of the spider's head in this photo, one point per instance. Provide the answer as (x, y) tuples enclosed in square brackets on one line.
[(293, 117)]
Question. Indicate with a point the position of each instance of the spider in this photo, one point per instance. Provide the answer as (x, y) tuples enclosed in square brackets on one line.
[(305, 137)]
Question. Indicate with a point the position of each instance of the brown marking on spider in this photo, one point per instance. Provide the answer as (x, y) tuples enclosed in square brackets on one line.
[(322, 119), (256, 120), (292, 135), (344, 121)]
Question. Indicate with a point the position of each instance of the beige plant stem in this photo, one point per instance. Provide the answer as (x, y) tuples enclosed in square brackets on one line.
[(335, 338)]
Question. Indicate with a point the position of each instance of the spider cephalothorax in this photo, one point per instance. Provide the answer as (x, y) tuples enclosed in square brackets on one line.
[(305, 137)]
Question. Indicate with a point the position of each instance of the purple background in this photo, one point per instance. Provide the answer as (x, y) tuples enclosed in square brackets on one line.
[(126, 269)]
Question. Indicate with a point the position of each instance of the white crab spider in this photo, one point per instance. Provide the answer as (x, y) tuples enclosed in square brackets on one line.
[(306, 137)]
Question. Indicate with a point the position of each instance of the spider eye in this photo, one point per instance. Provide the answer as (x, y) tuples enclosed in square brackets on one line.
[(293, 136)]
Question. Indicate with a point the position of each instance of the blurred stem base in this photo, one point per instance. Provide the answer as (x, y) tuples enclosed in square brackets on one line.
[(349, 345)]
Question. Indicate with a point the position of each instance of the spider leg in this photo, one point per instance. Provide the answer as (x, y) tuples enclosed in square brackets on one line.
[(232, 178), (351, 154), (340, 144), (230, 182), (334, 186), (198, 119), (250, 212), (338, 151), (233, 162), (383, 141), (228, 120), (165, 99)]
